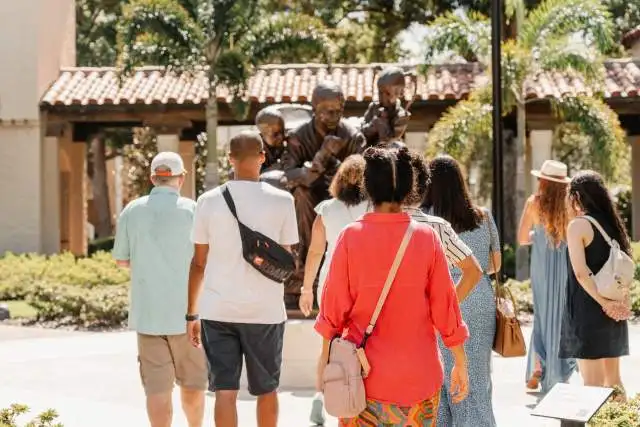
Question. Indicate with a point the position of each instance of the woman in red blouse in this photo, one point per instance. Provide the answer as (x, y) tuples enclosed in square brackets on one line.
[(406, 372)]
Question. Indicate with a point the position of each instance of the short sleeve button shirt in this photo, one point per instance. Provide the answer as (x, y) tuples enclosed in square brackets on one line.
[(153, 235)]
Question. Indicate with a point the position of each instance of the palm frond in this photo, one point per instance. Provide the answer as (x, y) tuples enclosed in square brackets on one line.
[(512, 8), (558, 19), (461, 131), (286, 37), (596, 120), (468, 35), (158, 32)]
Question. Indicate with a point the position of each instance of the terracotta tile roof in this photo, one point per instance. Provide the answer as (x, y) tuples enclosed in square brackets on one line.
[(294, 83)]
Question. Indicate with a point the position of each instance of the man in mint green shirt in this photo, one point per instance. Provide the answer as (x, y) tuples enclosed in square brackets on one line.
[(153, 240)]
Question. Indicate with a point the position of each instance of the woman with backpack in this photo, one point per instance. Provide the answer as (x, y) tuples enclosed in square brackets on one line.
[(594, 328), (384, 263)]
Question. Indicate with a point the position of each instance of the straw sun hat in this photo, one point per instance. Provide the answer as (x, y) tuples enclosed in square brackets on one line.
[(553, 170)]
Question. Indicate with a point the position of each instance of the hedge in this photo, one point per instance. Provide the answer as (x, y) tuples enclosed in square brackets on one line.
[(88, 292), (19, 272), (616, 414)]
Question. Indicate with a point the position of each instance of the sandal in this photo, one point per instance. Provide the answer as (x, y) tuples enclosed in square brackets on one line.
[(534, 381)]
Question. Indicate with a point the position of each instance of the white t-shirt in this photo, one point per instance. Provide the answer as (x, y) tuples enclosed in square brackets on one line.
[(336, 215), (233, 290)]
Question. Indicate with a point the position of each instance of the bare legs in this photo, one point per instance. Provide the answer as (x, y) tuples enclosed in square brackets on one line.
[(160, 408), (193, 406), (226, 413), (268, 410), (602, 373)]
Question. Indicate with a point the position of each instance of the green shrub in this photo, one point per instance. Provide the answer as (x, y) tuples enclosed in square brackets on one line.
[(616, 414), (19, 272), (522, 294), (46, 419), (100, 306), (623, 199), (509, 261)]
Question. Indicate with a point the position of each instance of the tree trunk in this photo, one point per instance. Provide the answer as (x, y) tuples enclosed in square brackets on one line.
[(100, 187), (510, 161), (212, 178), (523, 185), (523, 188)]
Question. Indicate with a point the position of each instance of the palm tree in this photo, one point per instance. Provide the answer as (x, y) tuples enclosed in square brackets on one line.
[(557, 36), (225, 38)]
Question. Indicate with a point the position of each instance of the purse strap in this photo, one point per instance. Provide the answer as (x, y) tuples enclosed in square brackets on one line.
[(496, 272), (387, 284), (597, 225)]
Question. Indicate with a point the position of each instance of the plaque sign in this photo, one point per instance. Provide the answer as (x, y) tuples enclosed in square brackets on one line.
[(573, 405)]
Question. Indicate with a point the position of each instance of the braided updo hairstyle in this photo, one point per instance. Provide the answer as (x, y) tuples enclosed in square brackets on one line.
[(388, 175)]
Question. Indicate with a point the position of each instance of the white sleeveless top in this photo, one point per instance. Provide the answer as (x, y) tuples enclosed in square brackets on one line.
[(335, 216)]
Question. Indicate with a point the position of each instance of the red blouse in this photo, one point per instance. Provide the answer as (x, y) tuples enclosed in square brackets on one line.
[(403, 351)]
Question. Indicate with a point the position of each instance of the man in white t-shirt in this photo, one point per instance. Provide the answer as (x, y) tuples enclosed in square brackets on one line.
[(242, 312)]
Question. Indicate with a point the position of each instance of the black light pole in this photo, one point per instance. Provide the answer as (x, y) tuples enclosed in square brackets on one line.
[(498, 187)]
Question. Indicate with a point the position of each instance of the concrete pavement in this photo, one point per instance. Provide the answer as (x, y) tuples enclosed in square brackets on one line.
[(91, 379)]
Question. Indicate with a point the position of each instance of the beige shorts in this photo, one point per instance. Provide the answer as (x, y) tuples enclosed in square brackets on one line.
[(165, 360)]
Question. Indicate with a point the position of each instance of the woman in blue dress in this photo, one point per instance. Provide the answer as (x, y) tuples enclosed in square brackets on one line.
[(448, 198), (543, 226)]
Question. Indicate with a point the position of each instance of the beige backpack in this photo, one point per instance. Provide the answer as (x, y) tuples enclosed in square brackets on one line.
[(614, 279), (343, 378)]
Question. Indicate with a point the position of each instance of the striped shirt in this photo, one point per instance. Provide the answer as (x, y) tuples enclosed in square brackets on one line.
[(455, 249)]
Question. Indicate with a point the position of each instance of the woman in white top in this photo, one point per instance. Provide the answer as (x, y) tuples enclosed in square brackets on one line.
[(347, 205)]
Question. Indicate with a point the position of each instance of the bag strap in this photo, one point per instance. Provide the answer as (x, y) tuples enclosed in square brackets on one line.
[(597, 225), (387, 284), (493, 245), (227, 198)]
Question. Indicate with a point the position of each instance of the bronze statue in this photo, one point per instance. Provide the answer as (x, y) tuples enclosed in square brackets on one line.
[(386, 121), (314, 152), (270, 124)]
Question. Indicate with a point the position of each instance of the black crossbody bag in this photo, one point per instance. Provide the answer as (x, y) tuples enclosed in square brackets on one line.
[(261, 252)]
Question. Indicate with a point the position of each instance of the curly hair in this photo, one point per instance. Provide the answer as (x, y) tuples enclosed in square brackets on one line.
[(448, 195), (388, 175), (421, 177), (551, 203), (588, 191), (346, 185)]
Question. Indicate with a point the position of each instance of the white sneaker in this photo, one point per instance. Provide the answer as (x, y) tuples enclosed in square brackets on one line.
[(317, 411)]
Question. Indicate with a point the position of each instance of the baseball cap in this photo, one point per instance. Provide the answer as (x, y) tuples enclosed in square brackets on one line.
[(169, 163)]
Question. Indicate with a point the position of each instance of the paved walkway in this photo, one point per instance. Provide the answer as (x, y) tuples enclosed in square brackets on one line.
[(91, 379)]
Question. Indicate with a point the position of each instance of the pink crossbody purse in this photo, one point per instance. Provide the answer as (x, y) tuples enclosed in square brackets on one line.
[(343, 379)]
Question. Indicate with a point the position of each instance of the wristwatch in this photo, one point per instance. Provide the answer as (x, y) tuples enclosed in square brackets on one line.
[(191, 317)]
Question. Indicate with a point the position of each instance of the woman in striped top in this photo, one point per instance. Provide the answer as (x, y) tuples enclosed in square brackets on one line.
[(456, 251)]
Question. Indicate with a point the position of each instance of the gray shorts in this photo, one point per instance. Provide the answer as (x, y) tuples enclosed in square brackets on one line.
[(225, 345)]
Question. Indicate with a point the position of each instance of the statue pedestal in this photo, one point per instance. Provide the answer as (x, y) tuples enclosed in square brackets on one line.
[(302, 345)]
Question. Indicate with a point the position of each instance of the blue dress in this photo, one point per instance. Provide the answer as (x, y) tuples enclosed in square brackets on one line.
[(549, 284), (479, 312)]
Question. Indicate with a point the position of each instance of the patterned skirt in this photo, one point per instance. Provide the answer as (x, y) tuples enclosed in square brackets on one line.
[(379, 414)]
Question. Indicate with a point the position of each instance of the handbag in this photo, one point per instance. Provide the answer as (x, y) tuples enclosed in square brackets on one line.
[(614, 279), (508, 340), (343, 377), (261, 252)]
